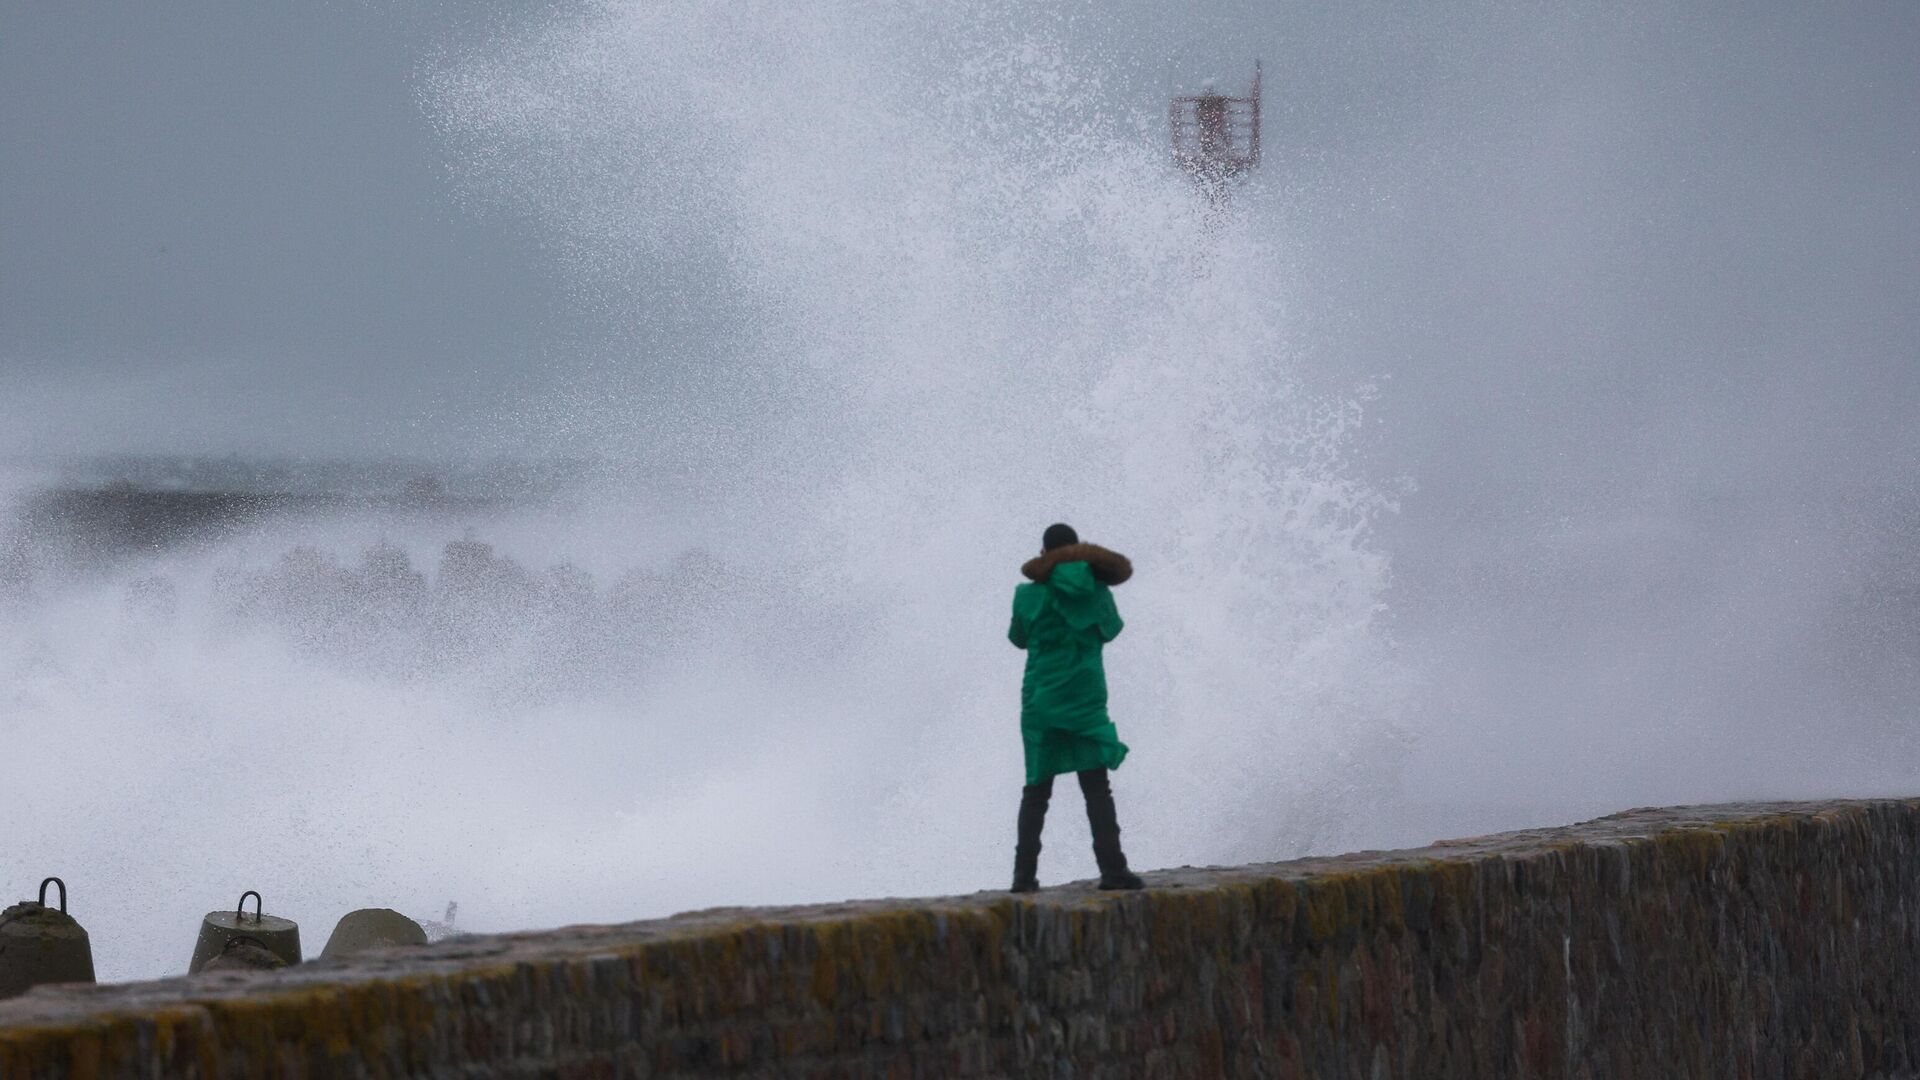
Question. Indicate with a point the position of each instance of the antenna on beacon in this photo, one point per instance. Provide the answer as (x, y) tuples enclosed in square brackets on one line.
[(1216, 137)]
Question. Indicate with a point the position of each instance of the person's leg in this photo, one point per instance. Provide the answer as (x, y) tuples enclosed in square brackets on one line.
[(1026, 852), (1105, 822)]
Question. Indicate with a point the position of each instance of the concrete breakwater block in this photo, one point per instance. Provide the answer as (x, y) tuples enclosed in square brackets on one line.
[(371, 928), (221, 930), (41, 945)]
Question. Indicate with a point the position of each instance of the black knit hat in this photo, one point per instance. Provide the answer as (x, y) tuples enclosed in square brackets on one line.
[(1058, 536)]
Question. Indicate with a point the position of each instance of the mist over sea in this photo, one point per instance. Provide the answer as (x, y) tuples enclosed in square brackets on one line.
[(574, 461)]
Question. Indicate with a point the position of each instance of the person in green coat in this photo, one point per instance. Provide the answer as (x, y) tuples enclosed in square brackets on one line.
[(1062, 617)]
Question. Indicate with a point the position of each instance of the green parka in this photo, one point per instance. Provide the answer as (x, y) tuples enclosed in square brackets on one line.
[(1063, 617)]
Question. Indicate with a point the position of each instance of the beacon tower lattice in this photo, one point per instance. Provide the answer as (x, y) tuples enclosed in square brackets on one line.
[(1216, 137)]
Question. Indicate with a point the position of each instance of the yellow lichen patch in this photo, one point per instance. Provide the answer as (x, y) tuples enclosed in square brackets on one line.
[(1695, 849), (1388, 899), (829, 955), (1339, 903), (171, 1025), (882, 942)]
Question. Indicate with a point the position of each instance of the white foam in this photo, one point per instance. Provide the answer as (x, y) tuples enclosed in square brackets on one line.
[(955, 302)]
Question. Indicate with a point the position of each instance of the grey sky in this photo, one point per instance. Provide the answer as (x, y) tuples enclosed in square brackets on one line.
[(241, 207), (1557, 230)]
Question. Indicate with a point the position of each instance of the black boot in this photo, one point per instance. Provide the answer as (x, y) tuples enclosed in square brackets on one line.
[(1026, 853), (1106, 832)]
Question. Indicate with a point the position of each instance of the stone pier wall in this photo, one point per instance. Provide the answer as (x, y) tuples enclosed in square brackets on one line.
[(1748, 941)]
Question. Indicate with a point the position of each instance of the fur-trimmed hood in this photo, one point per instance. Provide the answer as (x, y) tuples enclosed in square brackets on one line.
[(1109, 567)]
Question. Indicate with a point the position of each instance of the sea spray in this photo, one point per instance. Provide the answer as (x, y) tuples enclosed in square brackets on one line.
[(909, 303)]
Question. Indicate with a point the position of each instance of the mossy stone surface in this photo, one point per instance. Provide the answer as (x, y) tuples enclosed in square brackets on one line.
[(1766, 941)]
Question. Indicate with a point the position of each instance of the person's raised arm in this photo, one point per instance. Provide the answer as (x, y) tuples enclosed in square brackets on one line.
[(1110, 624)]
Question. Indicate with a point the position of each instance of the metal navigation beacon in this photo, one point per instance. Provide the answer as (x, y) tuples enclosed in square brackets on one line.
[(1216, 138)]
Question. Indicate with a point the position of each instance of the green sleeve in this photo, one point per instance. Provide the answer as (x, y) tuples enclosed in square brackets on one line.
[(1110, 623), (1017, 630)]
